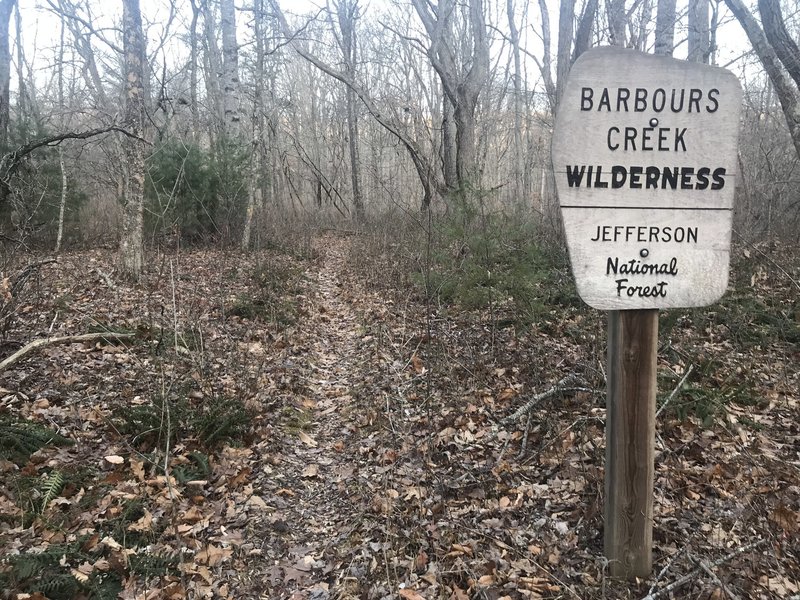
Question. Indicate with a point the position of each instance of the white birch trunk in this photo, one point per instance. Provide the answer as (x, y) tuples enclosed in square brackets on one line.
[(63, 204)]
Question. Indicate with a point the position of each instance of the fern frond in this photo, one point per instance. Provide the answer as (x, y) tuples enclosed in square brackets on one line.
[(153, 565), (53, 484), (20, 439)]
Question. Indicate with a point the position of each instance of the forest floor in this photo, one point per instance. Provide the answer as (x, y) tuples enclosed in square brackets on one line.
[(283, 426)]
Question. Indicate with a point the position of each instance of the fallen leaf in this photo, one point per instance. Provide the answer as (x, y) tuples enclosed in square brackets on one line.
[(785, 518), (410, 595), (311, 470), (114, 459), (307, 439)]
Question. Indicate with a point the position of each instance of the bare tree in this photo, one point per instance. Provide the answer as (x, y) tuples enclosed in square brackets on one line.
[(6, 6), (131, 249), (230, 69), (426, 170), (348, 13), (518, 173), (781, 68), (462, 78)]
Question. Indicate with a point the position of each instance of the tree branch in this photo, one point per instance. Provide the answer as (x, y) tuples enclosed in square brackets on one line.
[(67, 339)]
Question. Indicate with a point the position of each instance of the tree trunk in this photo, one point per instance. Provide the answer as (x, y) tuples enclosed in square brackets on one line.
[(213, 67), (698, 31), (256, 159), (778, 36), (6, 6), (449, 144), (230, 69), (665, 27), (462, 85), (131, 248), (547, 58), (348, 14), (518, 173), (466, 152), (62, 205), (22, 92), (193, 70), (583, 35), (566, 16), (616, 22)]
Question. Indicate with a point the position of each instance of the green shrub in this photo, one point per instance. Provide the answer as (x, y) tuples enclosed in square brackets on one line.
[(210, 423), (182, 191), (480, 259), (19, 439), (275, 285)]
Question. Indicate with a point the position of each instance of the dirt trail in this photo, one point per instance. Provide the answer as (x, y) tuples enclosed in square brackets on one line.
[(315, 484)]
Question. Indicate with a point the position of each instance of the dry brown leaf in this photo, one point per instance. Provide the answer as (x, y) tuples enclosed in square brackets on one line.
[(458, 594), (311, 470), (145, 523), (137, 467), (410, 595), (307, 439), (785, 518), (506, 394), (213, 555)]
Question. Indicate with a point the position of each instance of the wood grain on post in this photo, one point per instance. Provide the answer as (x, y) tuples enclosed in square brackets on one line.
[(630, 440)]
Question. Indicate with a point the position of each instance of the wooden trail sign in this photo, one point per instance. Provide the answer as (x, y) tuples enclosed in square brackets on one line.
[(644, 155)]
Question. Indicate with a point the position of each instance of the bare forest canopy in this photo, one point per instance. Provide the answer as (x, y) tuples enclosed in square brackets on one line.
[(237, 110)]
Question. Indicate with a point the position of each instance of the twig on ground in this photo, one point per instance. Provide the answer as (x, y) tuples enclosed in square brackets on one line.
[(675, 391), (523, 447), (693, 575), (66, 339), (106, 277), (715, 579), (24, 275), (570, 383)]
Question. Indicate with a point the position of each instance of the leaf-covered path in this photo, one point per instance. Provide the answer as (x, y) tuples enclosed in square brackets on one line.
[(316, 487), (302, 426)]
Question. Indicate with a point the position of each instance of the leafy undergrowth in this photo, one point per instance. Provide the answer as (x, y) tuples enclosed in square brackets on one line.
[(278, 429)]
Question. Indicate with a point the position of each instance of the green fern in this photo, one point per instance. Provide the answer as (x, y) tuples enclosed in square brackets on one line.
[(105, 587), (53, 484), (57, 585), (25, 566), (20, 439), (43, 572), (199, 468), (222, 420), (153, 565)]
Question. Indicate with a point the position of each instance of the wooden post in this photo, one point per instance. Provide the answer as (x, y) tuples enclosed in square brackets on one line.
[(630, 441)]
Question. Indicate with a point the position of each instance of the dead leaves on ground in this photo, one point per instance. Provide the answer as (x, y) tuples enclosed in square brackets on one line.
[(376, 467)]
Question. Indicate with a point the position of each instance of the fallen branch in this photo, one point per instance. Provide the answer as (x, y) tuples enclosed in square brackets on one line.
[(675, 391), (106, 277), (568, 384), (706, 566), (67, 339), (717, 581)]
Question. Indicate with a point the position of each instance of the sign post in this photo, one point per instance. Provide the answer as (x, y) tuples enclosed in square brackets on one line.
[(644, 154)]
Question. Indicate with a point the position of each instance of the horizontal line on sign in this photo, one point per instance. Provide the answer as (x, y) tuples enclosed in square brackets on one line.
[(642, 207)]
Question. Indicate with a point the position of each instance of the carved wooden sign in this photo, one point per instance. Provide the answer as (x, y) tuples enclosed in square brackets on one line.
[(644, 154)]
